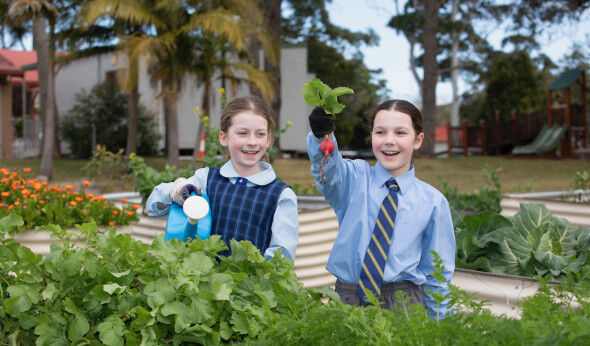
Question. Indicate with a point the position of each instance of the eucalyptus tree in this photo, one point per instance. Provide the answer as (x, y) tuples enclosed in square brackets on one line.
[(41, 12), (335, 57)]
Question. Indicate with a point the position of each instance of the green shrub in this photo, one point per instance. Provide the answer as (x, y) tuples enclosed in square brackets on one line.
[(486, 198), (108, 108)]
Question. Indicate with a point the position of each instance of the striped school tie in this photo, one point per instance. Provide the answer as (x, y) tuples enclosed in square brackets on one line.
[(376, 256)]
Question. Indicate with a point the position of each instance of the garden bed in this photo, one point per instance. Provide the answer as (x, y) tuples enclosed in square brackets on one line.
[(576, 213)]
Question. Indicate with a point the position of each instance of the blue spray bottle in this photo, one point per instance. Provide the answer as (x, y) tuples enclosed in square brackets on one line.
[(191, 220)]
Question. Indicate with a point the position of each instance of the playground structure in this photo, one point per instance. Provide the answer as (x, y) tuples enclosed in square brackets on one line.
[(562, 127)]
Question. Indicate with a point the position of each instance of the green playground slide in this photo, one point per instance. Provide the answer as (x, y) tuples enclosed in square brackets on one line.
[(546, 141)]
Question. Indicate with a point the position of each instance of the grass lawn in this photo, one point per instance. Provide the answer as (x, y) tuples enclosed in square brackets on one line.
[(465, 173)]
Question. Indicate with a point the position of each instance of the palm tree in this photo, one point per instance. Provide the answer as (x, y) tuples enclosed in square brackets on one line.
[(172, 44), (40, 11)]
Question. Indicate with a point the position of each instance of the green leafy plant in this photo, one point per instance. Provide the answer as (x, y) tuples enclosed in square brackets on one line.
[(146, 177), (115, 290), (318, 94), (107, 168), (531, 243), (40, 204), (580, 188), (486, 198)]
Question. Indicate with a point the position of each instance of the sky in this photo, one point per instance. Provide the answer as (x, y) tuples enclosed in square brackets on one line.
[(392, 54)]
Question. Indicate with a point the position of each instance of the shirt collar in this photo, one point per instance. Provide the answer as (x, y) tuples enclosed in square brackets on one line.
[(266, 175), (404, 181)]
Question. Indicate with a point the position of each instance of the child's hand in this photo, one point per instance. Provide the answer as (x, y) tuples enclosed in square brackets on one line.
[(321, 123), (182, 189)]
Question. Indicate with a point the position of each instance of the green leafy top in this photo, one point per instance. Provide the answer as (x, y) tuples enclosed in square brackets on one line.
[(316, 94)]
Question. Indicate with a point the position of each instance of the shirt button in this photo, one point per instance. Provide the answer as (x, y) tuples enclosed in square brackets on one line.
[(239, 180)]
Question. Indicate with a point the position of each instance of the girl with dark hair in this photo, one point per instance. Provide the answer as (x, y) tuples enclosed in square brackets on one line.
[(389, 220)]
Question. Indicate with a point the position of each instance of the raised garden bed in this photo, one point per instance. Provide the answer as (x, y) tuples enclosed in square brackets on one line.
[(576, 213)]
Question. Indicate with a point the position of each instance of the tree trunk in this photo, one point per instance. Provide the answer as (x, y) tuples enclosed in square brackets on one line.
[(455, 67), (254, 50), (272, 17), (46, 84), (430, 45), (132, 121), (206, 105), (171, 113)]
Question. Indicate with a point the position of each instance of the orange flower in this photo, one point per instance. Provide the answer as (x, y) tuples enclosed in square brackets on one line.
[(130, 213), (104, 207), (79, 199), (37, 187), (2, 204), (86, 182), (73, 204), (5, 181), (115, 212), (69, 187), (101, 198), (111, 223), (41, 201), (17, 203), (10, 207), (136, 206), (27, 170), (5, 194), (123, 200), (25, 192), (44, 183), (63, 196), (33, 196), (89, 195)]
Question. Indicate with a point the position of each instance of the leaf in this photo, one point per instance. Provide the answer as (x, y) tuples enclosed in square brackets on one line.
[(114, 288), (244, 324), (9, 221), (183, 315), (121, 274), (221, 285), (342, 91), (316, 94), (49, 291), (22, 298), (159, 292), (78, 328), (197, 262), (325, 291), (111, 331)]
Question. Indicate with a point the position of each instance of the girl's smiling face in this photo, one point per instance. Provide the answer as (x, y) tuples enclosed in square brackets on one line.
[(394, 140), (247, 140)]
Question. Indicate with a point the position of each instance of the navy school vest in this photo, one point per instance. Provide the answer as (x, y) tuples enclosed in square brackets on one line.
[(240, 212)]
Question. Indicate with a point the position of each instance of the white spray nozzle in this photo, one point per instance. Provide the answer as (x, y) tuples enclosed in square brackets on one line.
[(195, 208)]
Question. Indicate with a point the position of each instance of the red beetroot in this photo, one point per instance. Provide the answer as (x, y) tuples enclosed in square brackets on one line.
[(327, 147)]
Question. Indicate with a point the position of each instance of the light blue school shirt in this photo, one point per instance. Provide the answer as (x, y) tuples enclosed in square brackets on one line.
[(285, 225), (423, 222)]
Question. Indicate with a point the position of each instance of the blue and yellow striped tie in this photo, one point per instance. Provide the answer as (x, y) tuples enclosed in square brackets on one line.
[(376, 256)]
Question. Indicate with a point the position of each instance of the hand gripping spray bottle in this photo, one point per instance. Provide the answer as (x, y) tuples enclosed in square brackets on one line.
[(191, 220)]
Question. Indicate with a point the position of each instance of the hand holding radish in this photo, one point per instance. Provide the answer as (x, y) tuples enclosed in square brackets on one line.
[(322, 119)]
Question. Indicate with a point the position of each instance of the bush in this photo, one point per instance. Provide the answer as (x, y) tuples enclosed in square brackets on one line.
[(108, 107)]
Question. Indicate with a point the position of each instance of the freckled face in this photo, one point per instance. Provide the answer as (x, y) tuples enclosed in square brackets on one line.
[(394, 140), (247, 140)]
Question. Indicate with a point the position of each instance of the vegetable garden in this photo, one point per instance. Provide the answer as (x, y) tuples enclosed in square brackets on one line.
[(98, 286)]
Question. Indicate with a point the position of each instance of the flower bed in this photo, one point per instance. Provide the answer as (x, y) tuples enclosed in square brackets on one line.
[(40, 204)]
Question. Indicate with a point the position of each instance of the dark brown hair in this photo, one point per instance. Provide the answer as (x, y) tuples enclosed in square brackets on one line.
[(244, 104), (395, 105)]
